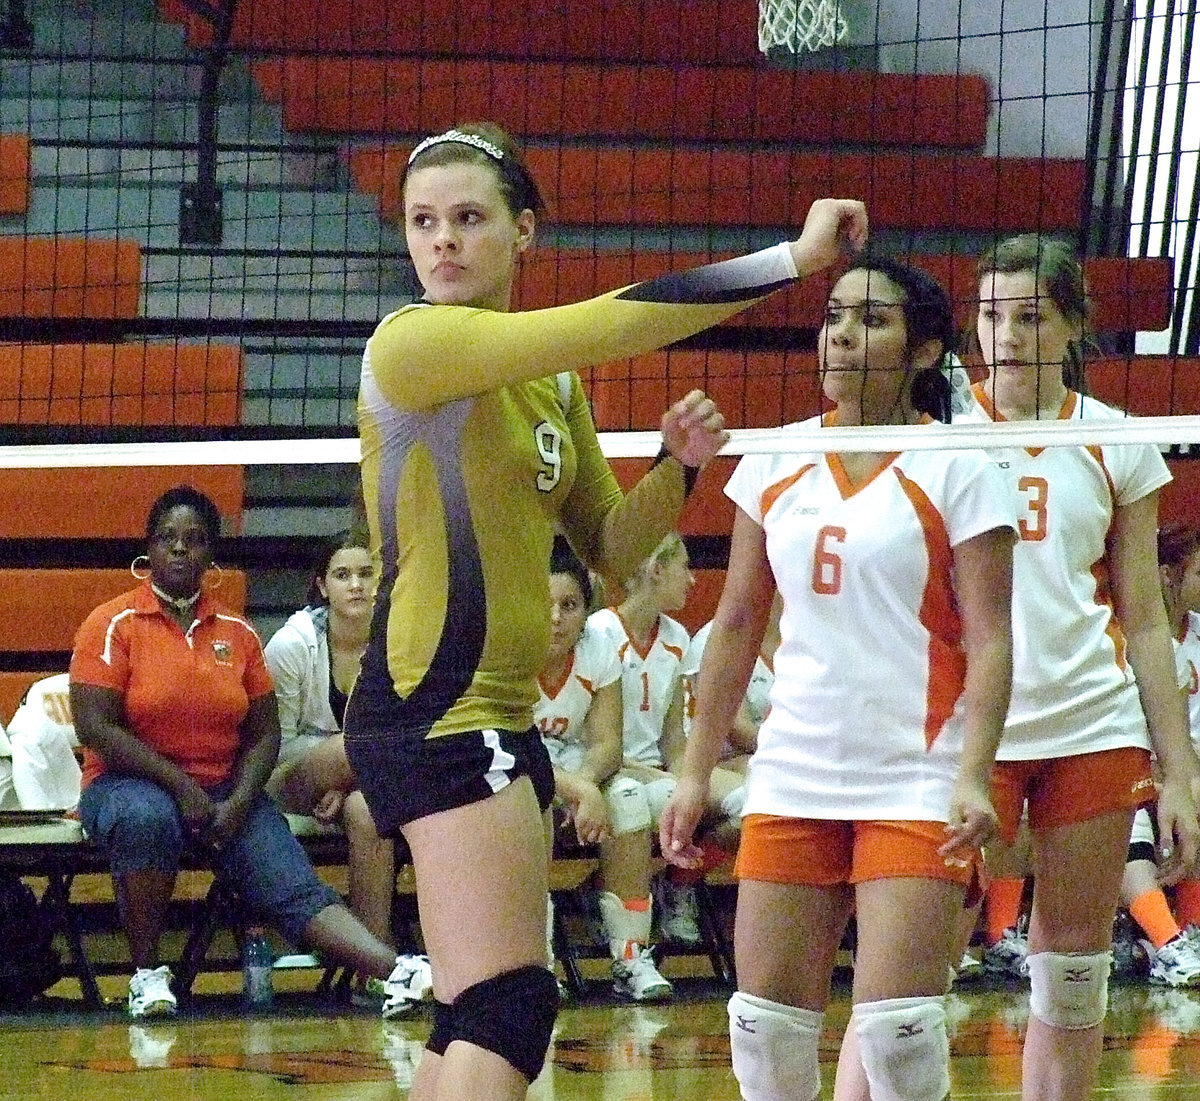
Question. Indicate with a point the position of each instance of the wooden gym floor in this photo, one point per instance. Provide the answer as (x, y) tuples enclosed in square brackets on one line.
[(308, 1048)]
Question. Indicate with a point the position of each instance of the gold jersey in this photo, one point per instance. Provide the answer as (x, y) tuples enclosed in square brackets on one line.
[(473, 455)]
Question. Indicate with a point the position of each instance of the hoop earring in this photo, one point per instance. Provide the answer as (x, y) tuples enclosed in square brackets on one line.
[(133, 567), (215, 583)]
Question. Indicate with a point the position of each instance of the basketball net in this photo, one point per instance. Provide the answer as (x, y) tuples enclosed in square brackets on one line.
[(798, 25)]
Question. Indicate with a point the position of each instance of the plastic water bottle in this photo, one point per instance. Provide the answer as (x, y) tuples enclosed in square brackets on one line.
[(257, 992)]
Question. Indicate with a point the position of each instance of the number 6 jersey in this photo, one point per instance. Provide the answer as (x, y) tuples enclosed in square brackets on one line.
[(866, 714), (1073, 691)]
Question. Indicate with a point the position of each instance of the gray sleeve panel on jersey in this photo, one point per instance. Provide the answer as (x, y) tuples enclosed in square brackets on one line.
[(736, 280)]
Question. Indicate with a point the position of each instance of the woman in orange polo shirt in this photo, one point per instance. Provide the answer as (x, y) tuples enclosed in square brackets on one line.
[(176, 712)]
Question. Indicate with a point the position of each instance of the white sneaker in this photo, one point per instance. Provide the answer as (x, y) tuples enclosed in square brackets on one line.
[(638, 979), (409, 984), (1008, 957), (678, 912), (150, 993), (1176, 963)]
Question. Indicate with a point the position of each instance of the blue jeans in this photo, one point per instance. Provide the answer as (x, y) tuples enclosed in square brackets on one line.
[(138, 825)]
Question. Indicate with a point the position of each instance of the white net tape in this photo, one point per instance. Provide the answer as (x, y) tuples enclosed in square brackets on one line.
[(1160, 431), (798, 25)]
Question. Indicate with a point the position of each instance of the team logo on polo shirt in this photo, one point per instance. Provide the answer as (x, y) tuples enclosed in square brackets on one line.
[(222, 652)]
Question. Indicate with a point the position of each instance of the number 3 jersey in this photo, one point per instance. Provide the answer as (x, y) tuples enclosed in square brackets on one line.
[(866, 713), (1073, 690)]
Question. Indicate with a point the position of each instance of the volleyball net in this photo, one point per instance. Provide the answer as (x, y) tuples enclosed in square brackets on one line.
[(199, 222)]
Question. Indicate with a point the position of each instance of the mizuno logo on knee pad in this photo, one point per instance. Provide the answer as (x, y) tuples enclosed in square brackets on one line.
[(915, 1028), (745, 1024)]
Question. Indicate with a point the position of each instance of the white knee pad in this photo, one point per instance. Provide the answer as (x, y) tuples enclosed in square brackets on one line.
[(774, 1049), (657, 794), (904, 1050), (1069, 991), (628, 810)]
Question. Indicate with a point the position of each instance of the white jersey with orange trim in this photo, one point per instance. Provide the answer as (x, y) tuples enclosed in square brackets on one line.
[(866, 717), (648, 680), (562, 709), (1187, 666), (758, 691), (1073, 689)]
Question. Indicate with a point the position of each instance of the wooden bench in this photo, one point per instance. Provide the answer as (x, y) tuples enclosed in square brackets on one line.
[(56, 854), (548, 100), (14, 173), (70, 277), (142, 383)]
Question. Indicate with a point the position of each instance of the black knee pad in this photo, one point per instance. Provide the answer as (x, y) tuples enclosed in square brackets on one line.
[(510, 1014), (1141, 850), (443, 1028)]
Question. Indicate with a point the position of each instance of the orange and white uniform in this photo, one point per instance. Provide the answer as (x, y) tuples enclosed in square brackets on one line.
[(866, 714), (649, 679), (758, 690), (1187, 667), (561, 712), (1073, 690)]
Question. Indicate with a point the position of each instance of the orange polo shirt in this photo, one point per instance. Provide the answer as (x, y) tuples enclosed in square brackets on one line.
[(185, 694)]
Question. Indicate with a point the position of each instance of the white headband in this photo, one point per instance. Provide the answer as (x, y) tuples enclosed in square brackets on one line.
[(493, 151)]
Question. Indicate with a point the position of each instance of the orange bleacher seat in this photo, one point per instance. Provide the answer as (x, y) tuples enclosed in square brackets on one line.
[(1162, 386), (1148, 385), (106, 502), (14, 173), (704, 31), (1129, 295), (92, 277), (1179, 502), (41, 609), (582, 100), (121, 384), (763, 389), (754, 389), (601, 185)]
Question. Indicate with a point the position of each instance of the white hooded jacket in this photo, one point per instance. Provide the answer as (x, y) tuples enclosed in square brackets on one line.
[(298, 658)]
